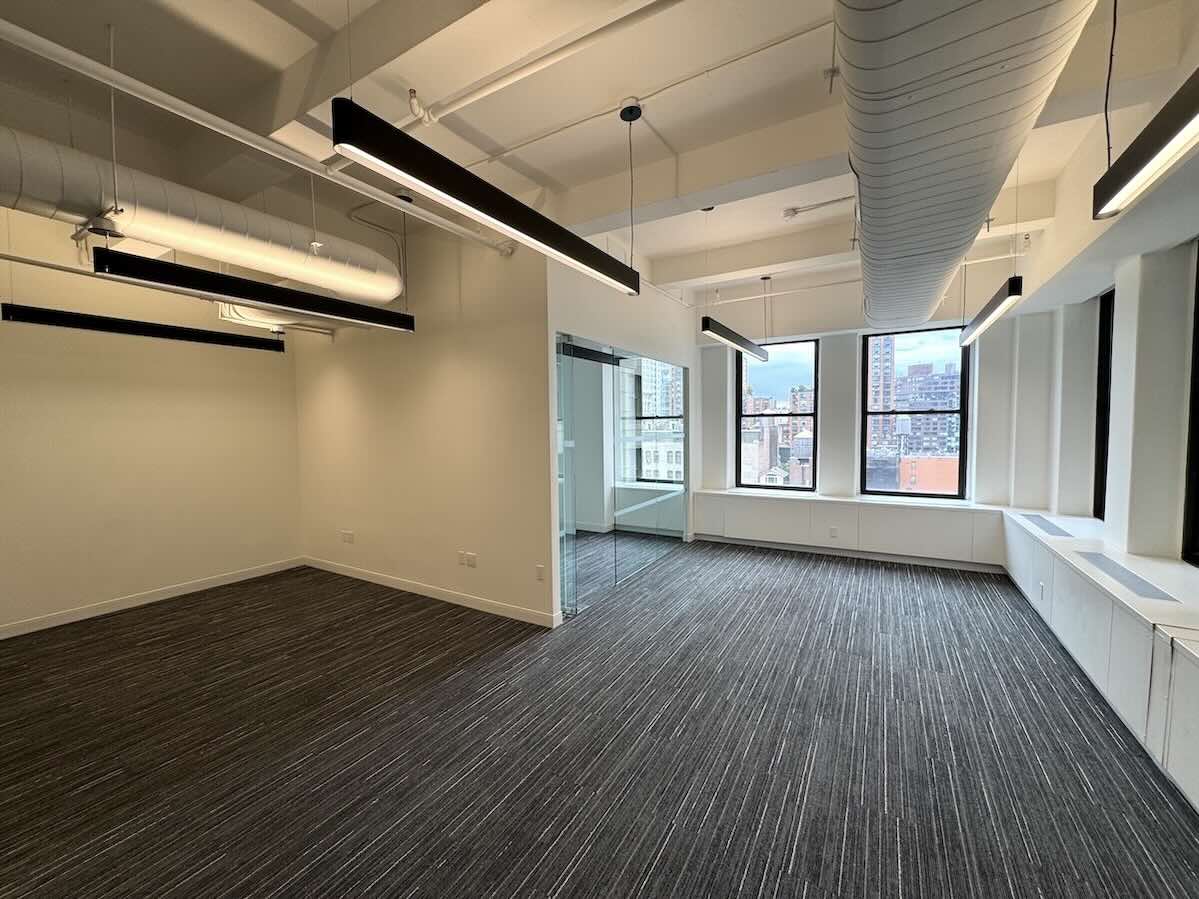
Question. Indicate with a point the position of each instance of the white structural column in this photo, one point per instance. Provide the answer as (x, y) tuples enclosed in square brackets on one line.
[(993, 381), (1072, 466), (1031, 408), (836, 453), (1150, 376), (719, 408)]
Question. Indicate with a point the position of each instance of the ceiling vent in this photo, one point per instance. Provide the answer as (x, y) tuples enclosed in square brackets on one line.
[(940, 97)]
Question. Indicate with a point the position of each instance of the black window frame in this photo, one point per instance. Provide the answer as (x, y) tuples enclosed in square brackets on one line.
[(963, 413), (740, 414), (638, 475), (1103, 402), (1189, 551)]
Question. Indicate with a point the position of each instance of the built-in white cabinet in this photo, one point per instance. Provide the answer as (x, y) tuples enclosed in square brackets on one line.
[(1182, 724), (1147, 670), (1082, 619), (1030, 565), (1130, 662), (916, 529)]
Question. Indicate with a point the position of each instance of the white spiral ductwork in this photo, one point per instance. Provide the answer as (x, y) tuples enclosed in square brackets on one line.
[(940, 97), (47, 179)]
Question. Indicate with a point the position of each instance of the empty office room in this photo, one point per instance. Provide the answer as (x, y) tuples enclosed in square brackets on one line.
[(599, 448)]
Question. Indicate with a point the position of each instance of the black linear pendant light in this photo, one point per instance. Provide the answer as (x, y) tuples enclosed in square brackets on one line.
[(726, 335), (1007, 296), (229, 288), (1169, 137), (362, 136)]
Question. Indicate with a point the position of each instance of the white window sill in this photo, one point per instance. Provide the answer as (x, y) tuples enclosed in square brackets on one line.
[(810, 496)]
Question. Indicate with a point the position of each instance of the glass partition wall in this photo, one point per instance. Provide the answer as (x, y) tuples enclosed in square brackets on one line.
[(621, 465)]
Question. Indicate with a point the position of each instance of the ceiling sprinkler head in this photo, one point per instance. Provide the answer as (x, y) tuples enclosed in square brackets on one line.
[(103, 226), (630, 110)]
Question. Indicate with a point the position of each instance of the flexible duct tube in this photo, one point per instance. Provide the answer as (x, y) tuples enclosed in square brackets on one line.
[(940, 98), (57, 182)]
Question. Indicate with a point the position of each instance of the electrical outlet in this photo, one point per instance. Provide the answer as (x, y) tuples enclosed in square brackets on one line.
[(461, 557), (832, 532), (347, 536), (472, 560), (541, 572)]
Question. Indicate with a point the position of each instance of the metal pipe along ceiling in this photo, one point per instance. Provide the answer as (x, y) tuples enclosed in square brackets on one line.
[(57, 182), (940, 96)]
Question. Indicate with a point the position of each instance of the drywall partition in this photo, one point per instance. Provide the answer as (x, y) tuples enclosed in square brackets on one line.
[(1149, 399), (414, 448), (131, 469)]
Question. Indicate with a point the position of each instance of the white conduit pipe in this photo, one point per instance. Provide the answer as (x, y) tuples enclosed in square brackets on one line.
[(57, 182), (429, 115), (77, 62)]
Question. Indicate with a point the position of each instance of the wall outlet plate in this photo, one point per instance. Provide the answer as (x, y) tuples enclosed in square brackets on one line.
[(540, 572), (347, 536), (472, 560), (461, 557)]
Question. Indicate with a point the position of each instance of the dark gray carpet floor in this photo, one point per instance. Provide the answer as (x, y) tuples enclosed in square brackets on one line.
[(731, 722)]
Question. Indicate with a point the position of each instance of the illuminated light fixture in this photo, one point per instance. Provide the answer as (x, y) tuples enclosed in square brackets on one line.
[(1008, 296), (229, 288), (1168, 138), (365, 138), (726, 335)]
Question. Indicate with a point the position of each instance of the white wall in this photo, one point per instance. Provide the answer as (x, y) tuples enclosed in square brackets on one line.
[(718, 378), (1150, 394), (992, 385), (428, 444), (131, 468)]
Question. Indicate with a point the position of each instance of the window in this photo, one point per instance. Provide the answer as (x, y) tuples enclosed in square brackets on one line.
[(1190, 508), (776, 417), (650, 398), (914, 389), (1103, 401)]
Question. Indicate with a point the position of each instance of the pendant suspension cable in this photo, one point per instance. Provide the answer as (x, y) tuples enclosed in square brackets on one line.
[(630, 193), (112, 115), (349, 49)]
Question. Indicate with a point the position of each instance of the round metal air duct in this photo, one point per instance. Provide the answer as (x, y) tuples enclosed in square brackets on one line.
[(940, 97)]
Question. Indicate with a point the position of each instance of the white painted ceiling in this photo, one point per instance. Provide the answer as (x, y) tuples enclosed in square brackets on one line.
[(749, 219)]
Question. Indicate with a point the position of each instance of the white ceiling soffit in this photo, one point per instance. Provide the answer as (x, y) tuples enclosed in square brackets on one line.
[(940, 98)]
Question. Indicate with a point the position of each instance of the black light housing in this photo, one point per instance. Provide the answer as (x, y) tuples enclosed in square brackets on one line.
[(1164, 142), (362, 136), (230, 288), (726, 335), (1005, 298), (85, 321)]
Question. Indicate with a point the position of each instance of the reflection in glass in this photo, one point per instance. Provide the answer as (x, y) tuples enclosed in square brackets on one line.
[(625, 465)]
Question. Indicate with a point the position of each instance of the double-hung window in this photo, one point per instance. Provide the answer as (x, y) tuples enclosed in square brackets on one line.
[(915, 386), (776, 417)]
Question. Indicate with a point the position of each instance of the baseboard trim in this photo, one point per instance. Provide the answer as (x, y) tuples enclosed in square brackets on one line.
[(963, 565), (107, 606), (503, 609)]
